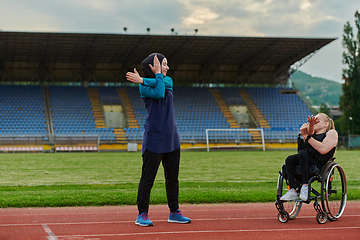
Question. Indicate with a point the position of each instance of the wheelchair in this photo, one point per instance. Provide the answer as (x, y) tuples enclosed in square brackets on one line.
[(329, 199)]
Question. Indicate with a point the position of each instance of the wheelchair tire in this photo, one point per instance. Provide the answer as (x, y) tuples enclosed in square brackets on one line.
[(321, 217), (283, 216), (291, 207), (334, 191)]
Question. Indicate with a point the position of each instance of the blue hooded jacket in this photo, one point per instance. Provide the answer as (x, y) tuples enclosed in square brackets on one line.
[(160, 130)]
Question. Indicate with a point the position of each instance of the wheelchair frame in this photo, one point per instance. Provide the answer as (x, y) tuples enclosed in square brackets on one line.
[(333, 200)]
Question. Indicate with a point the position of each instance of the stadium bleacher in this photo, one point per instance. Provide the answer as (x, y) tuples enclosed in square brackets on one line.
[(135, 134), (284, 112), (23, 112), (231, 96), (72, 113), (108, 95), (195, 110), (22, 119)]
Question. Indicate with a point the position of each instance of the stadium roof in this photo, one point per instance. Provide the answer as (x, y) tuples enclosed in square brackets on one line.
[(68, 57)]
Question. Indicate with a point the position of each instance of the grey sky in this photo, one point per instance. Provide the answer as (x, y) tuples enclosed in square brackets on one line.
[(264, 18)]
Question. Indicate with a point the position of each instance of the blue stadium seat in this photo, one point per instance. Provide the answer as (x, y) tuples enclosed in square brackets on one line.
[(22, 110), (72, 111)]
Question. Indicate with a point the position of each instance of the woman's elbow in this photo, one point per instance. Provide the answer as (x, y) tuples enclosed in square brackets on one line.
[(159, 95), (324, 150)]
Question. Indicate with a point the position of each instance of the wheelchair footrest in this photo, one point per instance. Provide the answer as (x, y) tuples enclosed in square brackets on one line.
[(279, 206), (317, 207)]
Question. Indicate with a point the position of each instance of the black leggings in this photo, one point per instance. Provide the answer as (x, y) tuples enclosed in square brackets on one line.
[(302, 159), (151, 162)]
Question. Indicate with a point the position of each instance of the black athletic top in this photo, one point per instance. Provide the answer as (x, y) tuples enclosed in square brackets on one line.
[(314, 154)]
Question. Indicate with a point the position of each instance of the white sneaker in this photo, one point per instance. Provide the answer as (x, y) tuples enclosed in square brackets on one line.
[(290, 195), (304, 192)]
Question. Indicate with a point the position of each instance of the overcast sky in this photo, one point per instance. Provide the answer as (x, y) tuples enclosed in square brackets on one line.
[(260, 18)]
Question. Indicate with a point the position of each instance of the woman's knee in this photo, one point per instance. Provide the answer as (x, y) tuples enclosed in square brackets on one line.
[(290, 160), (303, 155)]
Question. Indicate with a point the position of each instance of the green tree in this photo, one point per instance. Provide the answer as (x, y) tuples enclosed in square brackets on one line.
[(324, 108), (350, 100)]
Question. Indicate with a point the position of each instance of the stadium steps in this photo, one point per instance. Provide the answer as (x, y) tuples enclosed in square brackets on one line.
[(224, 108), (128, 109), (96, 107), (255, 112), (256, 136), (120, 135), (47, 107)]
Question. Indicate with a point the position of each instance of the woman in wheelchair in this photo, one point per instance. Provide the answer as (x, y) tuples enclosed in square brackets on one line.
[(317, 147)]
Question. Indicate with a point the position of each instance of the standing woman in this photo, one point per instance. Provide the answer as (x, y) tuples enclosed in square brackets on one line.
[(161, 141)]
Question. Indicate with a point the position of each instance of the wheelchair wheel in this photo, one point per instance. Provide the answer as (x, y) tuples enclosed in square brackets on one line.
[(283, 216), (291, 207), (321, 217), (334, 191)]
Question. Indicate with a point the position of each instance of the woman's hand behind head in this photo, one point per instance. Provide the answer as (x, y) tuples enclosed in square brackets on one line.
[(157, 67)]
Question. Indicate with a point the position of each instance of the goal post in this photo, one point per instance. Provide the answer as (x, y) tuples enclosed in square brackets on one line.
[(244, 137)]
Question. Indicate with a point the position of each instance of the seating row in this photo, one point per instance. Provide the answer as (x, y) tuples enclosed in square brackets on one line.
[(75, 148), (21, 149)]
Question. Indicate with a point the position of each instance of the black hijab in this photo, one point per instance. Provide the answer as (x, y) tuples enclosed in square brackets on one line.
[(150, 60)]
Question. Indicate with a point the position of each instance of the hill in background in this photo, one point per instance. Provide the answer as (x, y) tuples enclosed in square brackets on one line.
[(315, 91)]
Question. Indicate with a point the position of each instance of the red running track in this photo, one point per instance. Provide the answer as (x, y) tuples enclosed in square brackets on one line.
[(215, 221)]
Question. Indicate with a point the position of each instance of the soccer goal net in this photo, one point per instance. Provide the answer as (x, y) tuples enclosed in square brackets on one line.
[(253, 137)]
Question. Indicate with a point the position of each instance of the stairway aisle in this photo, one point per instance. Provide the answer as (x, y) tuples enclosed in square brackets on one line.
[(255, 112), (96, 107), (224, 108)]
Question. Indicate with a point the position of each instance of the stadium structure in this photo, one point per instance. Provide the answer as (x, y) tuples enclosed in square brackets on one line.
[(68, 92)]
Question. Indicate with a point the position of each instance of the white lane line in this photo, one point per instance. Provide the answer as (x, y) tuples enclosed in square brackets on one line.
[(209, 231), (48, 231), (155, 220), (187, 211)]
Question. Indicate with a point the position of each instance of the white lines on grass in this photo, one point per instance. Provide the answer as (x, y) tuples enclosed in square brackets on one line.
[(229, 181), (211, 231), (135, 182)]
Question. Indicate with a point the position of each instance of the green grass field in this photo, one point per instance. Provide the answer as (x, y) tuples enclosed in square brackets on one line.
[(97, 179)]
